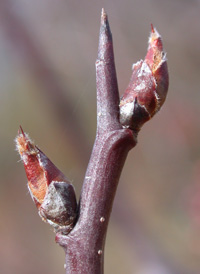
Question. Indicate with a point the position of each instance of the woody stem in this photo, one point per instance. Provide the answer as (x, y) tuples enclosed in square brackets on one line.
[(84, 246)]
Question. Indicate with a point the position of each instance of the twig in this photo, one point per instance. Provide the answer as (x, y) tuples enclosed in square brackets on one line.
[(84, 246), (82, 232)]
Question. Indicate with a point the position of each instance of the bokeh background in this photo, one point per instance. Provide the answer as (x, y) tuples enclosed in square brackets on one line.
[(47, 84)]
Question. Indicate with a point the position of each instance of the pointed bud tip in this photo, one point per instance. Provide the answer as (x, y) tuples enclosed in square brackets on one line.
[(152, 29), (23, 142), (20, 131), (155, 54), (154, 36)]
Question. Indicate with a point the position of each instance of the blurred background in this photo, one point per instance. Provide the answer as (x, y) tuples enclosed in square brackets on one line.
[(47, 84)]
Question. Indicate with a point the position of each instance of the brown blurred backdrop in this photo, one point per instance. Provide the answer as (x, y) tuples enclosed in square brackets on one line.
[(47, 84)]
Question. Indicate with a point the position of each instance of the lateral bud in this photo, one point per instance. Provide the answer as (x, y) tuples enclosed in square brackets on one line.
[(51, 192), (147, 88)]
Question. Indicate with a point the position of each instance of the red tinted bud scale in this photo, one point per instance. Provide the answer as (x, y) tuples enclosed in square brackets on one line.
[(53, 195), (147, 88)]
